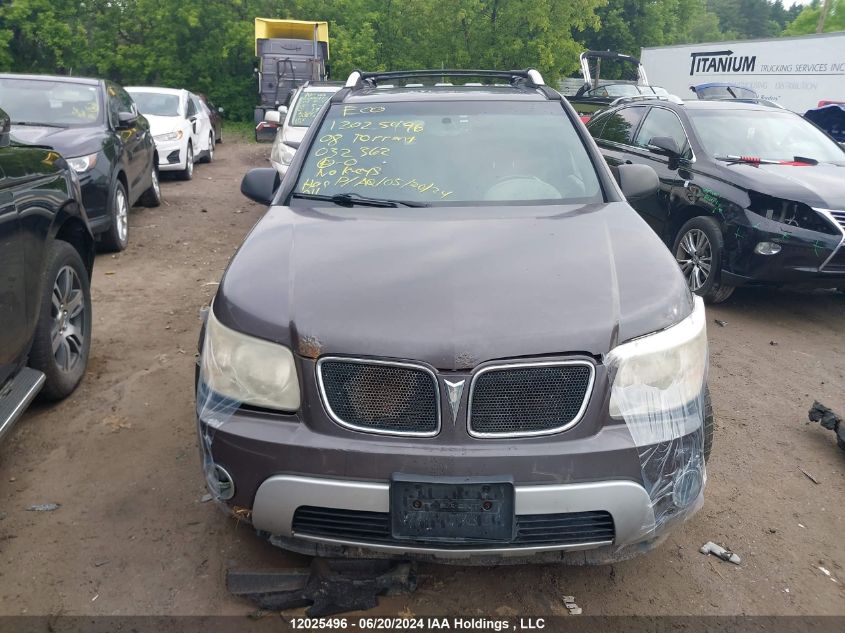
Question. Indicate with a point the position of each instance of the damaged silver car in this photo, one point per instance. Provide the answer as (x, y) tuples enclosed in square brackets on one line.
[(450, 337)]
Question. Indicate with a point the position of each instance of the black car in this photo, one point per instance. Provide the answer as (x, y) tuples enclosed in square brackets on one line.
[(451, 337), (749, 193), (96, 126), (46, 257)]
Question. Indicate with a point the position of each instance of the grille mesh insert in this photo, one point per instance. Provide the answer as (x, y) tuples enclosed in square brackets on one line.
[(572, 528), (530, 399), (384, 398)]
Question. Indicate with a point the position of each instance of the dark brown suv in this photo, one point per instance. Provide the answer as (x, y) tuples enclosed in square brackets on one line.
[(450, 337)]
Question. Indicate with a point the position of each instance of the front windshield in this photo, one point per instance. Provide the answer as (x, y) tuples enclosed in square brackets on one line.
[(615, 90), (156, 103), (48, 102), (451, 153), (767, 134), (307, 106)]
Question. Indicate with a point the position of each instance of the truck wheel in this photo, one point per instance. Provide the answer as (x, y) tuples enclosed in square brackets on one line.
[(698, 250), (209, 155), (188, 172), (116, 238), (152, 196), (708, 424), (63, 331)]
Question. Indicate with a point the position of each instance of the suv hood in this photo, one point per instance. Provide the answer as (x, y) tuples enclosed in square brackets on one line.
[(69, 142), (820, 186), (452, 287)]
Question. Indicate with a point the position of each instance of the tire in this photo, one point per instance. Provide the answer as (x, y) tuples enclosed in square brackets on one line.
[(152, 196), (209, 155), (188, 172), (116, 238), (708, 424), (64, 317), (220, 138), (698, 249)]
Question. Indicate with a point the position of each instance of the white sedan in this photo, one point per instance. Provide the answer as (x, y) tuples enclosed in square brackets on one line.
[(180, 125), (304, 106)]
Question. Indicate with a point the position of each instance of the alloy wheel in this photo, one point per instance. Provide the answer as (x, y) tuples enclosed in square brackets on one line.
[(695, 257), (68, 319), (210, 147), (190, 161), (156, 184), (121, 214)]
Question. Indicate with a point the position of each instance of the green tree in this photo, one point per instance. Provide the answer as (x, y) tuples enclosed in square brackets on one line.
[(807, 21)]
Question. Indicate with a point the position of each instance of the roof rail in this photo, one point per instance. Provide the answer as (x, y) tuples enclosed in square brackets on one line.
[(529, 76), (670, 98)]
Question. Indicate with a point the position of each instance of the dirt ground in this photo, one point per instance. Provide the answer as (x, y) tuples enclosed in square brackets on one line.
[(133, 537)]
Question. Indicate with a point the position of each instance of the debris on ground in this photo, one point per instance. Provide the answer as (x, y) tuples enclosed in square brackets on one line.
[(829, 420), (569, 603), (827, 573), (44, 507), (773, 343), (809, 476), (719, 552), (206, 498), (720, 323), (330, 585)]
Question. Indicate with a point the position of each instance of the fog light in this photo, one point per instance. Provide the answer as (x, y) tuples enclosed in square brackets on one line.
[(767, 248), (687, 487), (219, 481)]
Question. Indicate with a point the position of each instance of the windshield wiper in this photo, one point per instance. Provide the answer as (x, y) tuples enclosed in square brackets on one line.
[(352, 199), (754, 160), (37, 124)]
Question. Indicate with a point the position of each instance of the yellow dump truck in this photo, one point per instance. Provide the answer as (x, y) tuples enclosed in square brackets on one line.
[(289, 52)]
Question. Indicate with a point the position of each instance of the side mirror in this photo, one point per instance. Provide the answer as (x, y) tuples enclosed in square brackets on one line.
[(665, 145), (5, 130), (283, 110), (637, 181), (126, 119), (273, 116), (260, 184)]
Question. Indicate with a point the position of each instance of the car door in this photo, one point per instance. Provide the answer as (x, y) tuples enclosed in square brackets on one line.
[(13, 313), (129, 137), (135, 144), (614, 133), (192, 113), (674, 174), (204, 131)]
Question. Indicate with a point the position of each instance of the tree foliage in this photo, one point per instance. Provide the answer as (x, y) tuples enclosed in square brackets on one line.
[(207, 45), (807, 21)]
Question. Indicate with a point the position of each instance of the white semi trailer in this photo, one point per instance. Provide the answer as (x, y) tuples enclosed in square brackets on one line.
[(796, 72)]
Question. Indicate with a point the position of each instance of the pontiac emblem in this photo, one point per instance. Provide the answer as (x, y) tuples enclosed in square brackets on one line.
[(453, 392)]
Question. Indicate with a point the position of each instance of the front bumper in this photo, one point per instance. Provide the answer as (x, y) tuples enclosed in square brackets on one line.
[(171, 155), (806, 258), (280, 463)]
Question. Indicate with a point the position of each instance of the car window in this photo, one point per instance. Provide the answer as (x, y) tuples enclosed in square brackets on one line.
[(663, 122), (58, 103), (620, 125), (196, 103), (307, 106), (192, 108), (127, 104), (451, 153), (157, 103)]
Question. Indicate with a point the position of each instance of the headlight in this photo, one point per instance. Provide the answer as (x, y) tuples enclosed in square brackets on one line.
[(248, 370), (82, 164), (282, 153), (658, 380), (170, 136), (789, 212)]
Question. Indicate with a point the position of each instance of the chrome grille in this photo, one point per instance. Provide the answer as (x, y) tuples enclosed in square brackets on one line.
[(839, 216), (529, 399), (386, 397)]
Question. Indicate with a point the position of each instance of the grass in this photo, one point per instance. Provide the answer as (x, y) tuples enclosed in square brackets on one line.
[(243, 131)]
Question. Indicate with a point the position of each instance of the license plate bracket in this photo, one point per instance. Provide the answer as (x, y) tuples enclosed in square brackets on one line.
[(452, 509)]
